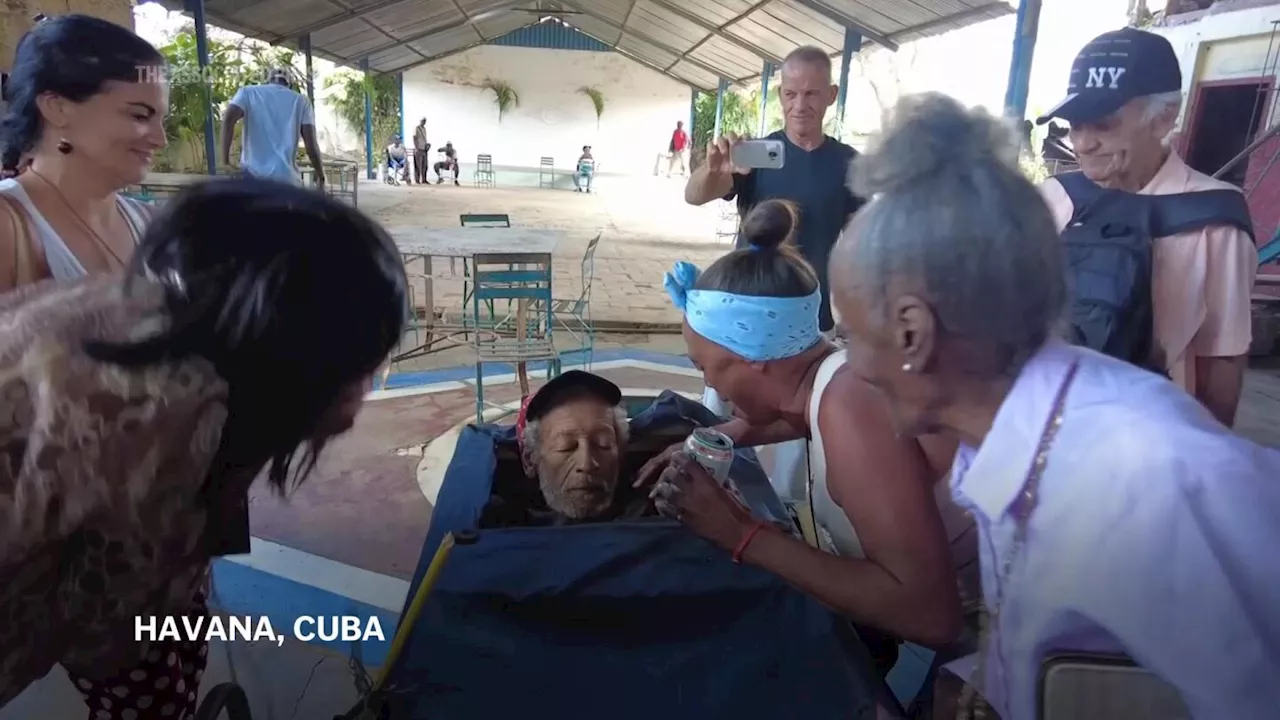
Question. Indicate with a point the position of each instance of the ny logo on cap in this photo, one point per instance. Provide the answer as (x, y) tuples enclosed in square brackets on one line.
[(1105, 77)]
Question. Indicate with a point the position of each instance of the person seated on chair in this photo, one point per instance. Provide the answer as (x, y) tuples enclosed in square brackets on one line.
[(585, 171), (397, 162), (573, 436), (450, 162)]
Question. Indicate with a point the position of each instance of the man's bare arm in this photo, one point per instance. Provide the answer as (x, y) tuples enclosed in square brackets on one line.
[(705, 186), (230, 117), (313, 150), (1219, 381)]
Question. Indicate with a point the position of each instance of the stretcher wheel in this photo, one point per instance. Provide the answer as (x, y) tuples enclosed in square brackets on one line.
[(226, 701)]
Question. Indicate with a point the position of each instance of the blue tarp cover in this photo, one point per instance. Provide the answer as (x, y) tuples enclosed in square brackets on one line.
[(620, 620)]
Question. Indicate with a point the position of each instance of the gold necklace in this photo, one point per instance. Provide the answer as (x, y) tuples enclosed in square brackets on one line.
[(970, 705), (85, 223)]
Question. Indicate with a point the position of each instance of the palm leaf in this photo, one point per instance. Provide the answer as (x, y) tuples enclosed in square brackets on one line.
[(504, 96), (597, 101)]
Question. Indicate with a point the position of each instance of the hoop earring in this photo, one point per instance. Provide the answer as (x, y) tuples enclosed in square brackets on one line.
[(64, 146)]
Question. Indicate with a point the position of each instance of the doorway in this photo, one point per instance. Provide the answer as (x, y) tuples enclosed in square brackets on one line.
[(1238, 107)]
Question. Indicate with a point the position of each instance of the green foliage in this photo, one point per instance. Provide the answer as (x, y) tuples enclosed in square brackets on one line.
[(597, 101), (348, 101), (504, 96), (231, 66)]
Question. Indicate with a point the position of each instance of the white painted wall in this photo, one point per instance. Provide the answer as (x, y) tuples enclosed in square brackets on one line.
[(1222, 46), (554, 119)]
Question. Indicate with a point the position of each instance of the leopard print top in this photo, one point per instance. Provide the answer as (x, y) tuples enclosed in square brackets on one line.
[(101, 472)]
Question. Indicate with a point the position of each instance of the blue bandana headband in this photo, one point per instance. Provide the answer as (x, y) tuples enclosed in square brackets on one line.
[(754, 328)]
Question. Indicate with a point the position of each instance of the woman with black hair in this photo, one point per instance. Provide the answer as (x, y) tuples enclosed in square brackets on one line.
[(86, 106), (137, 409), (751, 326)]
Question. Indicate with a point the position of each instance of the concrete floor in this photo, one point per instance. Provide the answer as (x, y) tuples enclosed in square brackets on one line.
[(647, 227)]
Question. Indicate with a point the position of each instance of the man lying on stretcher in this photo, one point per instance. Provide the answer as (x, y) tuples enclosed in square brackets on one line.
[(573, 436)]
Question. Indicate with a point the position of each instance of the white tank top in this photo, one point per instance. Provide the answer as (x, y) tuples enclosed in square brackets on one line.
[(829, 519), (63, 265)]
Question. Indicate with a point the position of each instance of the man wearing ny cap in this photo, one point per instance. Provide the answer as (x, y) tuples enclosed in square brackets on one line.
[(573, 436), (275, 116), (1122, 103)]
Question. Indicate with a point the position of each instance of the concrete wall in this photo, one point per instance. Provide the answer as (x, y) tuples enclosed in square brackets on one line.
[(15, 18), (554, 119), (1227, 44)]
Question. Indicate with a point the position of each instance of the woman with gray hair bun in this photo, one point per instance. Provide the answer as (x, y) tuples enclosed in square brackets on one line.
[(1116, 515)]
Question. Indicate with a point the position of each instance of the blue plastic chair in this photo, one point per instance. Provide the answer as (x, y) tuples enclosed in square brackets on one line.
[(526, 279)]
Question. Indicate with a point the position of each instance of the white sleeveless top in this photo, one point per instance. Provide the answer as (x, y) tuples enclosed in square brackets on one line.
[(64, 265), (829, 518)]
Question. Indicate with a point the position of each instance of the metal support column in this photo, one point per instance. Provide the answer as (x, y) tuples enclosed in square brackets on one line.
[(693, 113), (1024, 48), (304, 44), (720, 91), (852, 44), (196, 8), (368, 119), (765, 74), (404, 128)]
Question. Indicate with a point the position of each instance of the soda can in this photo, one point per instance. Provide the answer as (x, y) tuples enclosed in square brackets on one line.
[(712, 450)]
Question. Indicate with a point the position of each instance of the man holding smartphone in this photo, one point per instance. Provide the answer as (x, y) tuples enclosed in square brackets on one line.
[(813, 174)]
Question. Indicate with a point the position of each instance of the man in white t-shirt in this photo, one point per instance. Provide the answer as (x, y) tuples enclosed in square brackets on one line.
[(275, 115)]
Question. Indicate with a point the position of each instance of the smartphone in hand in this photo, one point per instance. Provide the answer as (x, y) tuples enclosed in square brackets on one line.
[(761, 154)]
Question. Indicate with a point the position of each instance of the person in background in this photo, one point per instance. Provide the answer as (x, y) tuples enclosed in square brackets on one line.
[(275, 116), (813, 177), (751, 326), (1117, 515), (164, 392), (676, 149), (1201, 280), (397, 161), (585, 170), (420, 148), (450, 162), (86, 123)]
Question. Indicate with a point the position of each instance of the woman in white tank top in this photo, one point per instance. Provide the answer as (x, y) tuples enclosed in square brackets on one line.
[(751, 327), (84, 136)]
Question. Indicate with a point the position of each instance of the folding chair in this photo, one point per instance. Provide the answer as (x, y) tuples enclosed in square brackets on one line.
[(484, 175), (574, 315), (547, 172), (529, 338)]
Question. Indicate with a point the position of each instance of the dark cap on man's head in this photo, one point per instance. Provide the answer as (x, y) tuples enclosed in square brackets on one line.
[(544, 400), (1113, 69)]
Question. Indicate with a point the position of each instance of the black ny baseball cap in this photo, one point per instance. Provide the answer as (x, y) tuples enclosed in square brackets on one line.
[(545, 398), (1113, 69)]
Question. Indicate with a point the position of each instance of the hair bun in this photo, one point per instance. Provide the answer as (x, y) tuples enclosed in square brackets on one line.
[(770, 224), (923, 136)]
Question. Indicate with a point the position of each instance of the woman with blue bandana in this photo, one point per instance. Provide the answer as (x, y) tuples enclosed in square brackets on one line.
[(751, 326)]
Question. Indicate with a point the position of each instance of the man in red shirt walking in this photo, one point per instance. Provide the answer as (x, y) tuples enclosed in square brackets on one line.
[(679, 143)]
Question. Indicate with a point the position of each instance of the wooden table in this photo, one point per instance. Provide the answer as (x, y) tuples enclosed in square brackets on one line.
[(461, 242), (421, 244)]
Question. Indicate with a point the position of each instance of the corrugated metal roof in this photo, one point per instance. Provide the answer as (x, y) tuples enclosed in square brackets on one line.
[(693, 41)]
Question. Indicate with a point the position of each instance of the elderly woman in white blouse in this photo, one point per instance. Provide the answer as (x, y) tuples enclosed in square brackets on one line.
[(1116, 515)]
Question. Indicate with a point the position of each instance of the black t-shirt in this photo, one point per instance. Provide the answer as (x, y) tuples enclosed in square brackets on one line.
[(817, 182)]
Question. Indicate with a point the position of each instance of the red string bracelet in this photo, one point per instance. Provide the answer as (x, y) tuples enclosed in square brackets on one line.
[(746, 540)]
